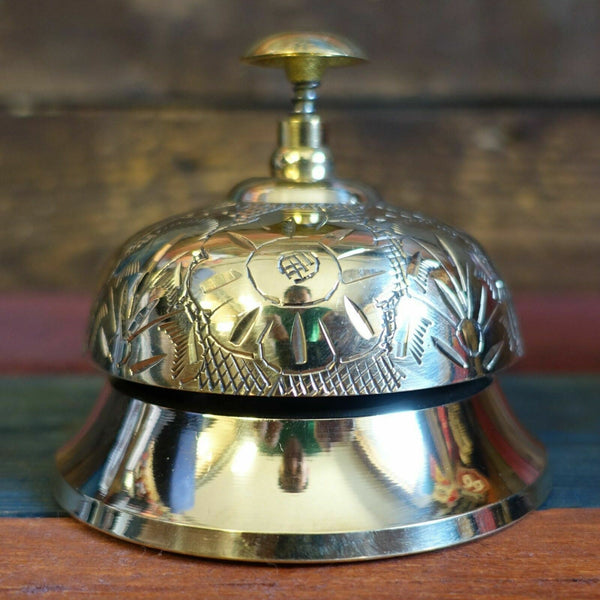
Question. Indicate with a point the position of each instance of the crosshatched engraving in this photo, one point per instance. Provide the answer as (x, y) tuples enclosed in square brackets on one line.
[(298, 266)]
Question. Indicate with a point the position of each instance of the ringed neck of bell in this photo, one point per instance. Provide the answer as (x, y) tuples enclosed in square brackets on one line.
[(302, 155), (302, 170)]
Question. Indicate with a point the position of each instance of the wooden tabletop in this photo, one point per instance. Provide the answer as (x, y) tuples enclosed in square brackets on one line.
[(551, 554)]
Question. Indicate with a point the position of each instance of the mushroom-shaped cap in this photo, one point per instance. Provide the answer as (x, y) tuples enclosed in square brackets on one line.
[(304, 55)]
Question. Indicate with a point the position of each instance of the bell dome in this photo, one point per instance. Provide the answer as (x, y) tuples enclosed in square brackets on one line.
[(303, 299)]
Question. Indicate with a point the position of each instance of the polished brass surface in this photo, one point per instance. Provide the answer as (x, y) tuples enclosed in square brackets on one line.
[(302, 300), (269, 360), (304, 55), (302, 156), (301, 490)]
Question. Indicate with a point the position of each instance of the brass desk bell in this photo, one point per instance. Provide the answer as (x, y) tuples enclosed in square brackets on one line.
[(303, 373)]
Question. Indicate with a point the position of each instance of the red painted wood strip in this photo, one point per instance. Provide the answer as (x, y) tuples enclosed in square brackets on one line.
[(561, 332), (44, 333)]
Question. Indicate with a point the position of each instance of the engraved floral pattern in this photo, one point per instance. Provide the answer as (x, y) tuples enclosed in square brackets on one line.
[(299, 300)]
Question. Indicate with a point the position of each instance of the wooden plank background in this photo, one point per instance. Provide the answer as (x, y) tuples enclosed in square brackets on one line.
[(131, 50), (121, 112), (525, 182)]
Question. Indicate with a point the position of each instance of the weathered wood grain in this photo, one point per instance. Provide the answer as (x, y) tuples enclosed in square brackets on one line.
[(74, 185), (124, 50), (550, 554)]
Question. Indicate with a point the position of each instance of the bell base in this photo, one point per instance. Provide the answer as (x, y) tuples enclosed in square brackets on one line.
[(301, 491), (299, 548)]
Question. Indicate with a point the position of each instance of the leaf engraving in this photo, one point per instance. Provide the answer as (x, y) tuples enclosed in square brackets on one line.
[(142, 365), (358, 319), (244, 326), (450, 352), (298, 341), (492, 355)]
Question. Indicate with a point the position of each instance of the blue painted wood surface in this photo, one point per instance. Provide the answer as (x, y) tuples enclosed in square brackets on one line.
[(40, 413)]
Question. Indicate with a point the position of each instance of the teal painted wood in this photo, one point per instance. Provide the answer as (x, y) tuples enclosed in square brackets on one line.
[(564, 413), (40, 413)]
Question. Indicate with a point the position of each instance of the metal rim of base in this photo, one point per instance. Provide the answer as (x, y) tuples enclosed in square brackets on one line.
[(307, 548)]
